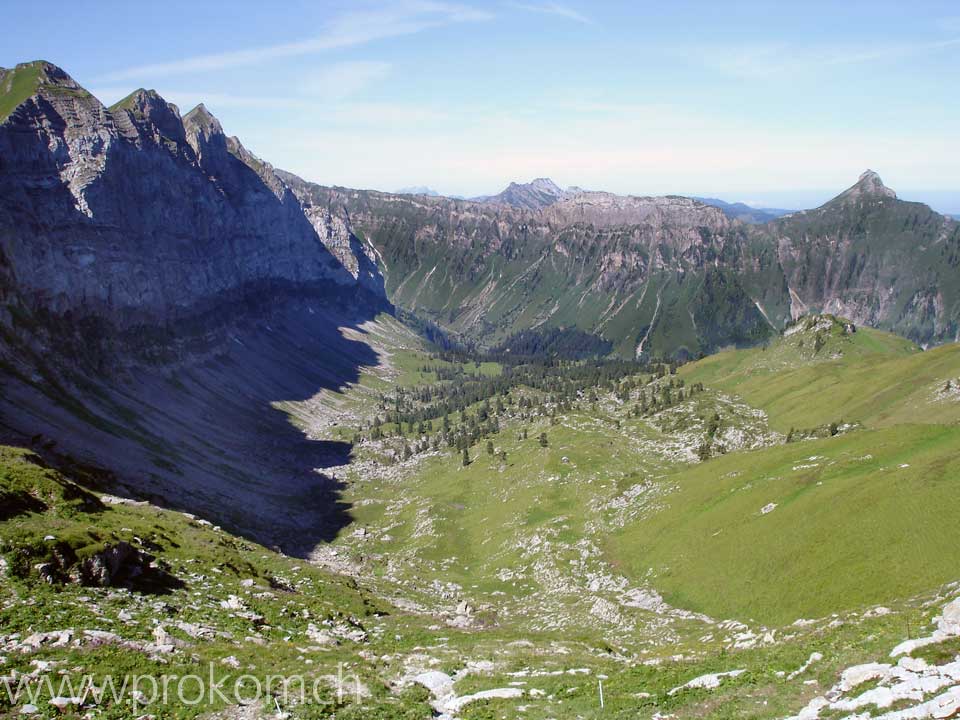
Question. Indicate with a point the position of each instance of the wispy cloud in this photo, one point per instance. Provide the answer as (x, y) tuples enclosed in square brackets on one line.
[(553, 8), (351, 28), (344, 79), (336, 110), (771, 60), (324, 87), (186, 98)]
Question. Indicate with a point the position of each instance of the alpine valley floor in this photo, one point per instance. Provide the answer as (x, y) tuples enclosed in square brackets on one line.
[(762, 533)]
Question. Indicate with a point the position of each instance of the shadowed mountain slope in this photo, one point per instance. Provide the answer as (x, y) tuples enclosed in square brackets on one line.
[(152, 268), (161, 289)]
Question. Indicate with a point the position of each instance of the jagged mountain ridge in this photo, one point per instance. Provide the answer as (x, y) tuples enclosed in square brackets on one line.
[(534, 195), (665, 275), (543, 192), (161, 290), (597, 261), (135, 216)]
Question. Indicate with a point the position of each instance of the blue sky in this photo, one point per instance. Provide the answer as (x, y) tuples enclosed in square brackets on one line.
[(775, 103)]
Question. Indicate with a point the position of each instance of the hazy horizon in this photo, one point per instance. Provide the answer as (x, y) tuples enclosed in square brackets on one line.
[(943, 201), (745, 103)]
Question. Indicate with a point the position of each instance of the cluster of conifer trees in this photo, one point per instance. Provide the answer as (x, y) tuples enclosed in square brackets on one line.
[(462, 406)]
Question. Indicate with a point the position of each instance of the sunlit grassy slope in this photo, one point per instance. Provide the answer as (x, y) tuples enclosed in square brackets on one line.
[(17, 85), (255, 612), (859, 519), (556, 550), (869, 377), (864, 517)]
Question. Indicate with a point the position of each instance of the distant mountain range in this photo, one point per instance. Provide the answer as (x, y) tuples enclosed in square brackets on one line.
[(543, 192), (664, 275), (418, 190), (135, 240), (534, 195), (744, 212)]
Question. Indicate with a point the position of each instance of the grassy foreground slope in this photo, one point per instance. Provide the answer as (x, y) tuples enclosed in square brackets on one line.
[(804, 529), (95, 585), (869, 377), (208, 602), (766, 526), (528, 577), (575, 538), (807, 529)]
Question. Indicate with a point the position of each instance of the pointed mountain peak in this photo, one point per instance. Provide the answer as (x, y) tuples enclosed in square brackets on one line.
[(236, 148), (140, 102), (31, 78), (47, 74), (202, 120), (534, 195), (201, 111), (869, 185), (147, 107), (204, 134), (542, 185), (143, 95)]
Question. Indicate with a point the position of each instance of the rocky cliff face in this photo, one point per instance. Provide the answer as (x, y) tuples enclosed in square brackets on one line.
[(534, 195), (875, 259), (161, 290), (634, 269), (334, 226), (136, 217), (662, 275)]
